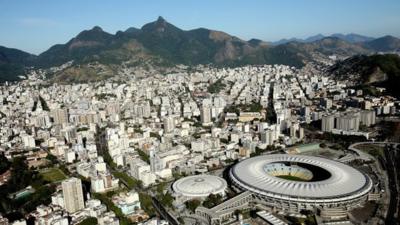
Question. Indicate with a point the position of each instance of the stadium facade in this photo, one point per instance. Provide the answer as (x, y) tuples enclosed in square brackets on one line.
[(296, 182), (289, 184)]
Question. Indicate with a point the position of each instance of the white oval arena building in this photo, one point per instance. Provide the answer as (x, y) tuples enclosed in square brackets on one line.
[(199, 186), (296, 182)]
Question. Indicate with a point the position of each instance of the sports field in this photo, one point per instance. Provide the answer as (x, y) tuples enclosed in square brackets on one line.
[(288, 177), (53, 175)]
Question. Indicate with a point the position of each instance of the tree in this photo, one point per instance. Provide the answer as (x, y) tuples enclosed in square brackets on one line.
[(216, 87), (180, 220), (146, 203), (4, 163), (88, 221), (192, 204), (21, 177), (212, 200), (166, 199), (53, 159), (143, 156)]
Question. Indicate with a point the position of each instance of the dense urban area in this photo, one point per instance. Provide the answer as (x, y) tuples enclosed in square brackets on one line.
[(159, 148), (161, 125)]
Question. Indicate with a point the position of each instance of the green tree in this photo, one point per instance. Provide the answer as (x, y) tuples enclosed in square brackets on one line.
[(212, 200), (89, 221), (192, 204), (143, 156), (146, 204), (166, 199), (4, 163)]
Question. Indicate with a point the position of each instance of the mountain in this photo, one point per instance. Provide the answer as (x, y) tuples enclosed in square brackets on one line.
[(257, 42), (351, 38), (314, 38), (325, 47), (97, 54), (285, 41), (334, 45), (384, 44), (83, 46), (157, 41), (379, 70), (13, 62), (166, 44)]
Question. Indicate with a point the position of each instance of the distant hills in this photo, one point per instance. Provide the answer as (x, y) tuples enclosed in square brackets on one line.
[(352, 38), (163, 44), (383, 44)]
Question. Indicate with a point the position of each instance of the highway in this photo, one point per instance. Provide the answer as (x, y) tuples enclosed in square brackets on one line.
[(391, 163), (392, 158)]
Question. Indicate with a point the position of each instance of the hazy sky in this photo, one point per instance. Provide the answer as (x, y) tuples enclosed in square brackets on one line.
[(35, 25)]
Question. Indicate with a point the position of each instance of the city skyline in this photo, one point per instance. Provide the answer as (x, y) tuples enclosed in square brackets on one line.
[(52, 23)]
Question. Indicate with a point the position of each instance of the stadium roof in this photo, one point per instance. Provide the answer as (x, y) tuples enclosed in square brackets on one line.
[(344, 181)]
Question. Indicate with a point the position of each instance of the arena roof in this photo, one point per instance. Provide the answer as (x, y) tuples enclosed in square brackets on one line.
[(344, 181), (199, 186)]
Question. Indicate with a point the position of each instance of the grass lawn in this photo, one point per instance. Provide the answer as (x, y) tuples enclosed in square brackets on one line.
[(288, 177), (53, 175), (372, 149)]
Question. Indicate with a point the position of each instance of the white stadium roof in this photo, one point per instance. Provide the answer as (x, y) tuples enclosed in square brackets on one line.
[(344, 183), (199, 186)]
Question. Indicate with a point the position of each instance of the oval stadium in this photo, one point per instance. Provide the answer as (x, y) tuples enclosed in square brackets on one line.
[(296, 182)]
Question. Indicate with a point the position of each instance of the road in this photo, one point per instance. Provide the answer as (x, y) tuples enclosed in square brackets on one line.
[(391, 162), (365, 156), (392, 158), (163, 212)]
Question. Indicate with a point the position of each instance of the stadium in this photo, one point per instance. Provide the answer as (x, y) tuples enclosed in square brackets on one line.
[(199, 186), (297, 182)]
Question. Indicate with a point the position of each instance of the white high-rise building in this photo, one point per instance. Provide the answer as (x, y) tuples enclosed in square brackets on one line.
[(60, 116), (267, 137), (367, 117), (326, 103), (169, 124), (155, 161), (205, 115), (28, 140), (348, 122), (146, 109), (73, 194), (328, 123), (301, 133)]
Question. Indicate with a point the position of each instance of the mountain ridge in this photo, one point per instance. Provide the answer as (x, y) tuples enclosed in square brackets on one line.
[(351, 37), (164, 44), (13, 63), (373, 70)]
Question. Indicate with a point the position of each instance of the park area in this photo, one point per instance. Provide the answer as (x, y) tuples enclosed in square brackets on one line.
[(53, 175), (372, 149)]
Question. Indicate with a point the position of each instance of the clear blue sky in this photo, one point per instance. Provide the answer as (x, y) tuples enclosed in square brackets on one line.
[(35, 25)]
